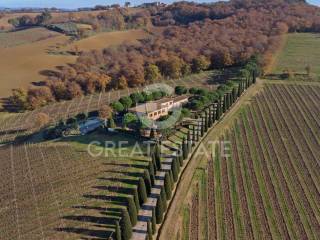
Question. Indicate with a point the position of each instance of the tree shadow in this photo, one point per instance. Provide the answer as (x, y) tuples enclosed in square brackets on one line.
[(49, 73), (127, 165), (127, 173), (100, 234), (120, 180), (92, 219)]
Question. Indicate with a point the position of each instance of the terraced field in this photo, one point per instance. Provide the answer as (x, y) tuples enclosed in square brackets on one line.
[(268, 187)]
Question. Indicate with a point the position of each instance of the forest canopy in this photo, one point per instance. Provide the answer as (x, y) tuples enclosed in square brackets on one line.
[(193, 37)]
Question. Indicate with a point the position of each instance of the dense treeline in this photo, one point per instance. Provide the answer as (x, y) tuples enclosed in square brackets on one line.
[(196, 37)]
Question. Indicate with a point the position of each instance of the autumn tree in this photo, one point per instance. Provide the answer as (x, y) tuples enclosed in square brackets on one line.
[(152, 73), (105, 113), (122, 82), (18, 100), (38, 97), (171, 68), (41, 120), (199, 64)]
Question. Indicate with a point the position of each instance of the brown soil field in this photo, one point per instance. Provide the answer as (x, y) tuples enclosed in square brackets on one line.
[(13, 39), (20, 65), (107, 39)]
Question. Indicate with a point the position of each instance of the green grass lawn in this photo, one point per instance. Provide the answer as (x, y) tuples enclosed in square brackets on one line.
[(301, 49)]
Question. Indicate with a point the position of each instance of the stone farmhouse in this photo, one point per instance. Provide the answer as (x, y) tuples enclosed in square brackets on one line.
[(156, 109)]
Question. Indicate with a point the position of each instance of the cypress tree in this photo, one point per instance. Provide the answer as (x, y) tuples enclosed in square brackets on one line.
[(118, 231), (158, 157), (219, 110), (152, 173), (175, 169), (125, 225), (154, 222), (193, 134), (210, 117), (171, 179), (198, 131), (149, 230), (206, 121), (135, 195), (189, 141), (153, 158), (159, 210), (254, 77), (142, 191), (234, 95), (132, 210), (147, 181), (185, 152), (224, 108), (213, 114), (180, 156), (168, 186), (202, 126), (164, 199), (152, 133)]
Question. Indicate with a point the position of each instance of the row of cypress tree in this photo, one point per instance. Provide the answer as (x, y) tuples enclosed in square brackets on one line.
[(206, 118)]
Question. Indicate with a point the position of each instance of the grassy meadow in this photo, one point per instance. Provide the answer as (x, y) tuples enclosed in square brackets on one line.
[(301, 50)]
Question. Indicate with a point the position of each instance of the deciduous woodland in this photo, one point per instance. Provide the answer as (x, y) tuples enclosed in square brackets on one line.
[(193, 37)]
